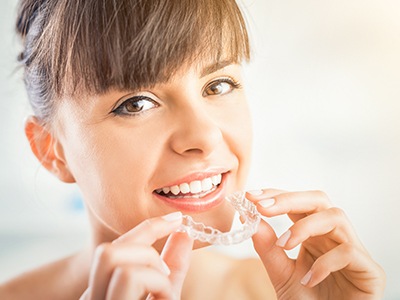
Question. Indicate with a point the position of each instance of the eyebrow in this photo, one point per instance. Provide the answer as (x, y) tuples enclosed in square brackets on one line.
[(215, 67)]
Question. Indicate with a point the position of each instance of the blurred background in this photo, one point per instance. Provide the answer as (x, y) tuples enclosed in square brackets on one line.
[(324, 89)]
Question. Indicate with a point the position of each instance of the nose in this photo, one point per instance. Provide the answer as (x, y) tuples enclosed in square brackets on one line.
[(196, 132)]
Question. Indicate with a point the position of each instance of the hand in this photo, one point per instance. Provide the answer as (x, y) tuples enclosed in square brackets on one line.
[(332, 262), (130, 268)]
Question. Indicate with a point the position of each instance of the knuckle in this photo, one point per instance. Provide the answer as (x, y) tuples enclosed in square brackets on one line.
[(349, 250), (122, 274), (147, 222), (127, 276), (320, 263), (321, 194), (338, 214), (284, 197), (104, 253), (150, 226)]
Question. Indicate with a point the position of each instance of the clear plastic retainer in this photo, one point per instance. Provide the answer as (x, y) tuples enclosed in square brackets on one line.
[(203, 233)]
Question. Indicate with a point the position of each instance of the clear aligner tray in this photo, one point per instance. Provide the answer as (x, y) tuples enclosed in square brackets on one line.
[(203, 233)]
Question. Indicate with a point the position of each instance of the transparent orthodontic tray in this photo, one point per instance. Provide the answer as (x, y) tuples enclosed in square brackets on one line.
[(203, 233)]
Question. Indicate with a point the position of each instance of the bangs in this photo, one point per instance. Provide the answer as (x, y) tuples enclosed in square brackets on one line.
[(131, 44)]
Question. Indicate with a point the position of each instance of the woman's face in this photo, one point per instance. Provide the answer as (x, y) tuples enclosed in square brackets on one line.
[(178, 146)]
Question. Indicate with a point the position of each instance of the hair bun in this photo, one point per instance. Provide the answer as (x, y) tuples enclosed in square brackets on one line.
[(27, 13)]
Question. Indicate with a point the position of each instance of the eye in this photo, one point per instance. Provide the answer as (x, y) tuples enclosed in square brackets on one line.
[(220, 86), (135, 106)]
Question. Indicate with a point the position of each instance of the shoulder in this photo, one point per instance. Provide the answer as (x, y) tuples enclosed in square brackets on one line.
[(50, 281)]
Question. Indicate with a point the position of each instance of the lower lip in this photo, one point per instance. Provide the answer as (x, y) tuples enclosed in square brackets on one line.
[(197, 205)]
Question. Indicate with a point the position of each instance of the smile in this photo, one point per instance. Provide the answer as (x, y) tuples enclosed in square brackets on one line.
[(199, 192), (196, 188)]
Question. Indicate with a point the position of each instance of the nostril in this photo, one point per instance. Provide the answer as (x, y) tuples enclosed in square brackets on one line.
[(187, 141), (194, 151)]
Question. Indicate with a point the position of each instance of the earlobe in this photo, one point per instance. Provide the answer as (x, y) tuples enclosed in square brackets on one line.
[(47, 149)]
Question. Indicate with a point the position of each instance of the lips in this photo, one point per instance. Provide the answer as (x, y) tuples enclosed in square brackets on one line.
[(198, 195)]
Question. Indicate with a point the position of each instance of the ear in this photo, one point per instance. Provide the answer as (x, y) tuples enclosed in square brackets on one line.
[(47, 149)]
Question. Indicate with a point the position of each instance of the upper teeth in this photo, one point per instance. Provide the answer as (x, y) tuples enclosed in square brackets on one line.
[(194, 187)]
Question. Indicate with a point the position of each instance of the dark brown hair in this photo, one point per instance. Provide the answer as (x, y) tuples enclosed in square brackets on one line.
[(89, 46)]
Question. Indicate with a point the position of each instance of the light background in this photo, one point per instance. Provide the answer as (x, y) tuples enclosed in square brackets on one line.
[(324, 88)]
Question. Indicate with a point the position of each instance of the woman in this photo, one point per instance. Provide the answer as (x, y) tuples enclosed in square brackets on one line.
[(140, 103)]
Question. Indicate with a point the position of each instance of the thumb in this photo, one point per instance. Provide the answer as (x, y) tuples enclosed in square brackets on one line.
[(176, 254), (278, 265)]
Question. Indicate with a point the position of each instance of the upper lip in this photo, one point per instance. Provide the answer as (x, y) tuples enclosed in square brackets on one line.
[(198, 175)]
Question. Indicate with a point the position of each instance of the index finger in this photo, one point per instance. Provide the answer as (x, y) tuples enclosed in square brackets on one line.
[(302, 203), (151, 230)]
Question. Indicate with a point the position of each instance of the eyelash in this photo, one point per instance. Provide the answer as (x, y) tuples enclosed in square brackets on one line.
[(232, 82), (118, 111)]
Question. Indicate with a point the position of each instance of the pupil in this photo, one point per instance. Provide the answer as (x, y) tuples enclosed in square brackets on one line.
[(216, 89), (134, 106)]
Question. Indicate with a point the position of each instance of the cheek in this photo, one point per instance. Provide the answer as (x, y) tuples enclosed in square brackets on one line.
[(244, 131), (113, 169), (237, 129), (244, 144)]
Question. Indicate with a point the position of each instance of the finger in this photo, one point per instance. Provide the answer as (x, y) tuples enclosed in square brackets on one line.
[(151, 230), (331, 222), (176, 254), (257, 195), (86, 294), (136, 282), (109, 256), (278, 265), (303, 203), (345, 256)]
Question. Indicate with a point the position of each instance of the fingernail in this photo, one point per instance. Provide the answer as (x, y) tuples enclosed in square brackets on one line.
[(175, 216), (306, 279), (281, 242), (256, 192), (267, 202), (165, 267)]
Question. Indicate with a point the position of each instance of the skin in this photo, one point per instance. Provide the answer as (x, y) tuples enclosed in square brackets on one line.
[(332, 262), (136, 251), (189, 133)]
